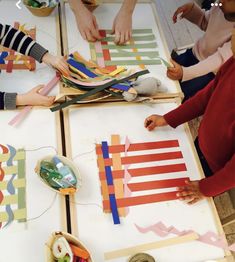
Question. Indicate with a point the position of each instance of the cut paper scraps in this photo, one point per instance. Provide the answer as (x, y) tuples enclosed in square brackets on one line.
[(92, 79), (12, 185), (210, 238), (119, 187), (141, 50), (11, 60)]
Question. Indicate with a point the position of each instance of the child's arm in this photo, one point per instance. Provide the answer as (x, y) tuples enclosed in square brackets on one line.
[(9, 101), (20, 42), (221, 181), (210, 64), (193, 13), (191, 109)]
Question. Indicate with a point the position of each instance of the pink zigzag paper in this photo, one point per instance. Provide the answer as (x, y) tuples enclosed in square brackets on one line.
[(209, 238)]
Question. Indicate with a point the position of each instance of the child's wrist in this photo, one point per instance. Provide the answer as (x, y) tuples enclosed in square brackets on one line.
[(20, 100)]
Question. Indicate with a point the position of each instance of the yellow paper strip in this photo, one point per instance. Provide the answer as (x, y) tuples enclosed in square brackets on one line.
[(18, 183), (117, 71), (117, 165), (149, 246), (18, 214), (137, 57), (19, 156), (9, 170), (9, 200)]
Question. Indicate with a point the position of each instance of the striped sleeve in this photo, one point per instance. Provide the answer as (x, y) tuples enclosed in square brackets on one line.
[(20, 42)]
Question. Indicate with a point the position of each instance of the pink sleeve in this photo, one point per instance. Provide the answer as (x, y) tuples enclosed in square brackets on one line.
[(221, 181), (210, 64), (198, 17)]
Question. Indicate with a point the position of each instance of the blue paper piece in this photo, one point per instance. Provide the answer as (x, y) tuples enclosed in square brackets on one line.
[(3, 55), (113, 204), (81, 68)]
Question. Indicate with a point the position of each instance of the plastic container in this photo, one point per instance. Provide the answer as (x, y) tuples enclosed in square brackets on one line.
[(42, 11), (70, 238), (67, 162)]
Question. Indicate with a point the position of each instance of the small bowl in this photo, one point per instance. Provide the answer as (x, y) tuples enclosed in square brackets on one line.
[(67, 162), (42, 11), (70, 238)]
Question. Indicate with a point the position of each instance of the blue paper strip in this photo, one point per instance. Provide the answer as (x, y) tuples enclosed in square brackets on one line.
[(109, 179), (81, 68), (121, 87)]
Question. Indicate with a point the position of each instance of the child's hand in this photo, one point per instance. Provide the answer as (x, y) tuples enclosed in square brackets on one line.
[(57, 62), (87, 25), (154, 121), (33, 98), (191, 192), (122, 27), (184, 9), (176, 72)]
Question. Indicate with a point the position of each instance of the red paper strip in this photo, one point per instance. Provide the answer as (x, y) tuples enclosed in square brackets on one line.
[(140, 200), (140, 146), (158, 184), (145, 171), (145, 158)]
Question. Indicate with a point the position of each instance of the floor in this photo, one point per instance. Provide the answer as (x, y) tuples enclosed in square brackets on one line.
[(180, 35)]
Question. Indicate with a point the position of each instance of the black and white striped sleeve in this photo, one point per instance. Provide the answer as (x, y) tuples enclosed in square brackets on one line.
[(20, 42)]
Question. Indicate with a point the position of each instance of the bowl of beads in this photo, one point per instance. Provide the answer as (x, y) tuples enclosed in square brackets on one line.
[(59, 173), (41, 8), (64, 247)]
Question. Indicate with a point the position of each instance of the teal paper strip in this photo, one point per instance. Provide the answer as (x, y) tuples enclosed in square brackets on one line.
[(134, 31), (139, 46), (122, 53), (135, 38), (133, 62)]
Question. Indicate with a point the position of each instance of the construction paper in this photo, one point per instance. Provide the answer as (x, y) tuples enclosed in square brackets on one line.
[(11, 60), (146, 158), (121, 53), (140, 146), (139, 46), (135, 38), (134, 31), (45, 90), (132, 62), (149, 246), (178, 182), (12, 186), (145, 171), (109, 179), (140, 200), (210, 238)]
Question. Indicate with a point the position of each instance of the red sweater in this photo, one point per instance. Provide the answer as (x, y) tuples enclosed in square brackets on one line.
[(217, 130)]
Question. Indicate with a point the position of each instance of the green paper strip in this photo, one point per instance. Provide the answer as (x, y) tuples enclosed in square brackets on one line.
[(80, 97), (96, 90), (17, 183), (18, 215), (139, 46), (19, 155), (21, 190), (122, 53), (164, 62), (9, 200), (133, 62), (134, 31), (135, 38)]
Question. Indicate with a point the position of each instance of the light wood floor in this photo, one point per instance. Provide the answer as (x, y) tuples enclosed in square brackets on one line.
[(179, 35)]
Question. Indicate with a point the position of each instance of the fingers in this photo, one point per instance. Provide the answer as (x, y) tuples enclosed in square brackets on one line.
[(117, 37), (37, 89), (46, 100), (149, 123)]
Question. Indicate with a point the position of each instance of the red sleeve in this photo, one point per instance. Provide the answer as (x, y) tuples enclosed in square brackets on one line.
[(221, 181), (192, 108)]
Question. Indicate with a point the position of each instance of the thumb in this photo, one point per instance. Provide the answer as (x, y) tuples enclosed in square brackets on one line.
[(37, 88), (175, 64)]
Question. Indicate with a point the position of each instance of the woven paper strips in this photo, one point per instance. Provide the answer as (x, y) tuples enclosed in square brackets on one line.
[(140, 51), (12, 185), (116, 174), (11, 60)]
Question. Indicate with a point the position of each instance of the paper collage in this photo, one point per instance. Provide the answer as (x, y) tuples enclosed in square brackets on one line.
[(12, 185), (11, 60), (140, 51), (115, 173)]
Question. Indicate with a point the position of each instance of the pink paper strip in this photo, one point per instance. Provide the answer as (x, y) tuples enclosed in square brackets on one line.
[(20, 116), (100, 62), (98, 47), (209, 238)]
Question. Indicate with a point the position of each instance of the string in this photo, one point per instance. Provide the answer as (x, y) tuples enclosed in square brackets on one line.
[(45, 211), (42, 147)]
